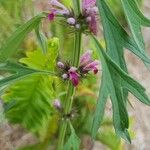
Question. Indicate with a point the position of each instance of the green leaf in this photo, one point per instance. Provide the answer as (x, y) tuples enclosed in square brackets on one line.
[(110, 87), (42, 40), (113, 39), (11, 45), (73, 142), (33, 96), (135, 20), (117, 38), (19, 72), (39, 60)]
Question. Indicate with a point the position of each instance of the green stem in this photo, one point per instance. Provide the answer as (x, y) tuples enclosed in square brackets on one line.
[(70, 91), (71, 88), (77, 9), (76, 52)]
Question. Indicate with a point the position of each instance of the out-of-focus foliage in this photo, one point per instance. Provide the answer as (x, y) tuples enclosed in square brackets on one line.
[(118, 10), (33, 96), (14, 41), (12, 15), (108, 137)]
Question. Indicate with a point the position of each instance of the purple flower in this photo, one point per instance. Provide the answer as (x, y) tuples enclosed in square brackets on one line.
[(90, 12), (73, 76), (87, 64), (60, 65), (85, 58), (51, 16), (65, 76), (92, 66), (93, 25), (71, 21), (88, 3), (57, 9)]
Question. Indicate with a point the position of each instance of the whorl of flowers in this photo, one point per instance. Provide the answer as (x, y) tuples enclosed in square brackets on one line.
[(87, 20), (74, 74)]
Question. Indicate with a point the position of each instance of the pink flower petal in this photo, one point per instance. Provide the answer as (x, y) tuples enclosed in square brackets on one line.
[(51, 16), (92, 66), (93, 25), (74, 76), (85, 58), (62, 12), (90, 12), (57, 4), (59, 8), (88, 3)]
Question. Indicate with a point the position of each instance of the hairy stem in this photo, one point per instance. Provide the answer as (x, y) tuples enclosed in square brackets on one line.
[(77, 8), (71, 88), (70, 91)]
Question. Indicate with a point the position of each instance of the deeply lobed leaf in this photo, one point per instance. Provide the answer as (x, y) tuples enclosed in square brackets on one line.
[(115, 81), (33, 96), (110, 87)]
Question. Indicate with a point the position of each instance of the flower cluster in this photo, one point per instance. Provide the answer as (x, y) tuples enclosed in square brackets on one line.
[(87, 20), (74, 74), (90, 12)]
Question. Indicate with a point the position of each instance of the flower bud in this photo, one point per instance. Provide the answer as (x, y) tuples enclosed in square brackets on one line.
[(71, 21), (57, 104), (72, 69), (77, 26), (59, 8), (56, 3), (60, 65), (88, 19), (65, 76)]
